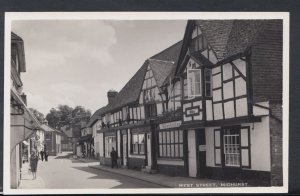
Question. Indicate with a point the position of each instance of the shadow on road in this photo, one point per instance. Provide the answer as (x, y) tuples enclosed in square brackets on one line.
[(123, 180)]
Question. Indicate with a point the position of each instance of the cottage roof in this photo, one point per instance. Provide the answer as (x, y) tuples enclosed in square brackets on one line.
[(131, 91), (15, 37), (229, 37), (47, 128), (161, 70), (162, 64), (226, 37), (96, 116)]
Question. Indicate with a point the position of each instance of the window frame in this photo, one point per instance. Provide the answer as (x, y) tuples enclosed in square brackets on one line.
[(138, 144), (167, 143), (208, 82), (192, 84)]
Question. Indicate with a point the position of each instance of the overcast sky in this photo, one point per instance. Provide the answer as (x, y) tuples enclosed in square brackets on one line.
[(77, 62)]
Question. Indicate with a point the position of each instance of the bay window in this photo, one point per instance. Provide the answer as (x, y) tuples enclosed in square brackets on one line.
[(138, 143)]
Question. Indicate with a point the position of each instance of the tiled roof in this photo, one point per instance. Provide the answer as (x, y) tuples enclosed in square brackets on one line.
[(169, 54), (161, 70), (162, 65), (96, 116), (47, 128), (229, 37), (15, 37), (131, 91)]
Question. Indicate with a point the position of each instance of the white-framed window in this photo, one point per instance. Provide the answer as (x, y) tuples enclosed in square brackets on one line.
[(138, 143), (194, 82), (231, 146)]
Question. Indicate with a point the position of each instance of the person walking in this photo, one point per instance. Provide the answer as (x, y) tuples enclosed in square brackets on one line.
[(42, 155), (114, 158), (46, 155), (33, 163)]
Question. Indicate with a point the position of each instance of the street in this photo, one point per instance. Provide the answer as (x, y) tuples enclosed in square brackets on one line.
[(63, 172)]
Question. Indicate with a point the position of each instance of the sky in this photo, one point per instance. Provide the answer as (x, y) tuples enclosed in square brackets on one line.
[(75, 62)]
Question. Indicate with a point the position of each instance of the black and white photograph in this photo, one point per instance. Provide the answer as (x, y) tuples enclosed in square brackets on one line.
[(146, 103)]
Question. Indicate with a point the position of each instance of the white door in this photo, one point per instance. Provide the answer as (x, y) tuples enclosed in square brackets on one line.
[(149, 158), (124, 149), (192, 153)]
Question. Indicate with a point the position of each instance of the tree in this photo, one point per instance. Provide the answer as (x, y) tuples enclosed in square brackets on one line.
[(39, 116), (65, 115)]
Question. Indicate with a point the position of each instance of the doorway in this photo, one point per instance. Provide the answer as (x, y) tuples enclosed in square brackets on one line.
[(124, 150), (201, 154)]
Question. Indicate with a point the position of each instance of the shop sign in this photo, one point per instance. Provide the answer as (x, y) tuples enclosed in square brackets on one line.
[(170, 125)]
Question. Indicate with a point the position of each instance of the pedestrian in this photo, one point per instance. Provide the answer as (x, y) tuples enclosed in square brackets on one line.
[(114, 158), (33, 163), (42, 155), (46, 155)]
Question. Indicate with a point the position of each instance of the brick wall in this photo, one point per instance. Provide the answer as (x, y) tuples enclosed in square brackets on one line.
[(276, 145), (267, 62)]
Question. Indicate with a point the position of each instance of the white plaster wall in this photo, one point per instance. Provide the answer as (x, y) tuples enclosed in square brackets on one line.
[(229, 109), (218, 111), (119, 142), (257, 111), (100, 139), (210, 156), (192, 153), (209, 114), (227, 71), (259, 141), (241, 107), (260, 145)]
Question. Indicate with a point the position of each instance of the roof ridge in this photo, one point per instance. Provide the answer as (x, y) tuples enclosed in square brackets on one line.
[(166, 49), (160, 60)]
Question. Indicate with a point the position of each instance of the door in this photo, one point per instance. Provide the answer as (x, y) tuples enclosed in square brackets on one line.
[(149, 150), (192, 153), (201, 154), (124, 150)]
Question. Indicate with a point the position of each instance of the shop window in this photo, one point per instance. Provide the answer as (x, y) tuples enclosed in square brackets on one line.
[(171, 144), (110, 142), (138, 143)]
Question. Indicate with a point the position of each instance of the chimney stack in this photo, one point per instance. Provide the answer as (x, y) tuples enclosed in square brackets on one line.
[(111, 94)]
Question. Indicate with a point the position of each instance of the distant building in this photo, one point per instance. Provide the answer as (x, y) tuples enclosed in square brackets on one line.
[(52, 140)]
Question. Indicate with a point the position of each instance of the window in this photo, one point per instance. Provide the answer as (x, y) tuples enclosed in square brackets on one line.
[(150, 110), (207, 81), (231, 146), (171, 144), (110, 142), (138, 143), (194, 82), (48, 136)]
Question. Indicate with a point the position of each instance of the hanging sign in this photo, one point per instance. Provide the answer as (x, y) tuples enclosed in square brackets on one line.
[(170, 125)]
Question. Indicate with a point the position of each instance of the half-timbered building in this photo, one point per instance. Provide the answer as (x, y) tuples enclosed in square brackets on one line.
[(231, 77)]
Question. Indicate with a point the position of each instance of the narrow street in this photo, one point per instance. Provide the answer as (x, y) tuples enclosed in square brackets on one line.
[(63, 172)]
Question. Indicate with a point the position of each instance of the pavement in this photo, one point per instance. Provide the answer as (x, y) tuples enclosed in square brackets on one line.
[(65, 172), (160, 179)]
